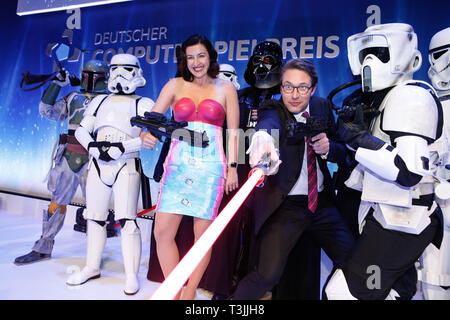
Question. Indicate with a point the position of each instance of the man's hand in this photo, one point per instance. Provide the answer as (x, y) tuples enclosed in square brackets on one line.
[(262, 146), (320, 143)]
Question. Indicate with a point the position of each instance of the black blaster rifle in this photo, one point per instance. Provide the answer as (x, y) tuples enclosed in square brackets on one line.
[(311, 127), (61, 54), (158, 125), (352, 102)]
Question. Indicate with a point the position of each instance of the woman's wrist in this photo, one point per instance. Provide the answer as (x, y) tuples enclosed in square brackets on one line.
[(232, 165)]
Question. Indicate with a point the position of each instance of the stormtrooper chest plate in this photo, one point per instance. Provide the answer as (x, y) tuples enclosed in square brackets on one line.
[(116, 112)]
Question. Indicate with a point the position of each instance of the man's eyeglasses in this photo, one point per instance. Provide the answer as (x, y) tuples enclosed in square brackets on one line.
[(302, 89)]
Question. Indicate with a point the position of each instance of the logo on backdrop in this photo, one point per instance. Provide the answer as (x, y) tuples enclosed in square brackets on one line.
[(145, 43)]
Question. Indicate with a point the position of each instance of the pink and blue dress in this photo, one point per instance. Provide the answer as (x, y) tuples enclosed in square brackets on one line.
[(194, 178)]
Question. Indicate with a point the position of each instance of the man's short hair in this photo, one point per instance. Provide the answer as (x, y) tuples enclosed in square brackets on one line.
[(302, 65)]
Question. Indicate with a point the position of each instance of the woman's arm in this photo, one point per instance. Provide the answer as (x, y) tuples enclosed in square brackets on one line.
[(232, 111), (165, 100)]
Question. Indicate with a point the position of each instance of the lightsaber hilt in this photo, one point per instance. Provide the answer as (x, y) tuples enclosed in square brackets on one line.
[(263, 164)]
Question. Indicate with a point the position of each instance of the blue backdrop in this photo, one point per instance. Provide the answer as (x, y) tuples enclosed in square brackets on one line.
[(151, 29)]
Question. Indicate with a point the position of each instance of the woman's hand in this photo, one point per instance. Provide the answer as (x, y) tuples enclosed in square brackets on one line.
[(148, 140), (231, 183)]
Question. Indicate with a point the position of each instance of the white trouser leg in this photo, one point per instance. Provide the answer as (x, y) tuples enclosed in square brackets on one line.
[(96, 239), (131, 252)]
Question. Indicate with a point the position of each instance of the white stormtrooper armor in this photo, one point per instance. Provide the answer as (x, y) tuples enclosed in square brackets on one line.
[(227, 72), (114, 168), (125, 74), (393, 202), (439, 57), (384, 55), (434, 271), (395, 177)]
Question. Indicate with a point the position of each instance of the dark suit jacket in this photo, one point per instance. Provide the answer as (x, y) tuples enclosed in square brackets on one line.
[(274, 115)]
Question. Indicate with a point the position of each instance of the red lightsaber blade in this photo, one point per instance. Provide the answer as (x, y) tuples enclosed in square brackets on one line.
[(176, 279)]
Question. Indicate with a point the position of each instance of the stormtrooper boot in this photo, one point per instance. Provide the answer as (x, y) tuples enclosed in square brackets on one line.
[(42, 249), (131, 252), (96, 239)]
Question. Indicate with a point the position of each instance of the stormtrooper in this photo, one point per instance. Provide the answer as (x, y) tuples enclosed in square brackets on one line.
[(398, 216), (114, 168), (435, 263), (69, 164), (227, 72)]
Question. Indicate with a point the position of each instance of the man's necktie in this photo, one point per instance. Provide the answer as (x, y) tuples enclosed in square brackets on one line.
[(312, 173)]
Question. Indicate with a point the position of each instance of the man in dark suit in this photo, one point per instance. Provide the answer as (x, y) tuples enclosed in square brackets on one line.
[(297, 195)]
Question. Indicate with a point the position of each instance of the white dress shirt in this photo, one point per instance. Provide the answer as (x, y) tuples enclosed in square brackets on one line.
[(301, 186)]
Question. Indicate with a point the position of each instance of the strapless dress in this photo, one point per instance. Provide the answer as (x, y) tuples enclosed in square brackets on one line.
[(194, 178)]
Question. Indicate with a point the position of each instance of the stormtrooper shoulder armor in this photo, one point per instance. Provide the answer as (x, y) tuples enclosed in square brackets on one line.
[(411, 109), (144, 105)]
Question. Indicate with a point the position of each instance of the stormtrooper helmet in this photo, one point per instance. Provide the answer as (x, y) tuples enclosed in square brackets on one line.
[(384, 55), (263, 67), (227, 72), (94, 76), (439, 57), (125, 74)]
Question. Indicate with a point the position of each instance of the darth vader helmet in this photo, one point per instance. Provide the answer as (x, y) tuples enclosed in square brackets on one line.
[(263, 67)]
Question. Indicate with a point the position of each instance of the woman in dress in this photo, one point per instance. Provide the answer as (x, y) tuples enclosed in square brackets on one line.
[(194, 177)]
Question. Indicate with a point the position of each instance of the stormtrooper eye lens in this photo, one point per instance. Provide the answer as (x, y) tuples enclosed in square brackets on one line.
[(129, 69), (381, 53), (226, 74), (437, 55)]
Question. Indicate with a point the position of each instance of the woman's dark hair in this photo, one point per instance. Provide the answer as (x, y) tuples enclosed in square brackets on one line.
[(302, 65), (213, 69)]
